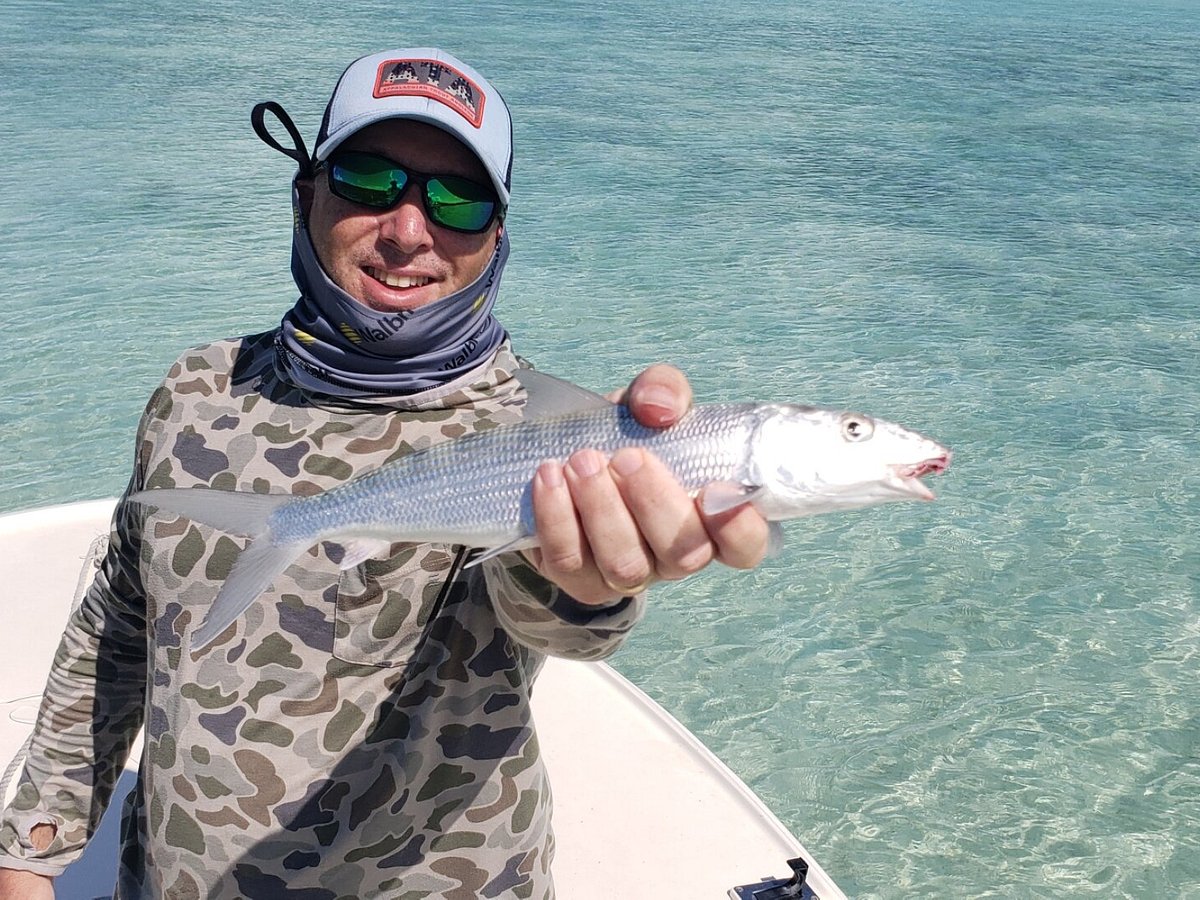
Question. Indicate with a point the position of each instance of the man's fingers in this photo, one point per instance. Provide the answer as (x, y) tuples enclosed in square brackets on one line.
[(561, 548), (608, 527), (612, 534), (664, 513), (658, 396), (741, 536)]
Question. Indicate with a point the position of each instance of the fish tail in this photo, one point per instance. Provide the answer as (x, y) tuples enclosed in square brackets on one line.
[(259, 564), (235, 512)]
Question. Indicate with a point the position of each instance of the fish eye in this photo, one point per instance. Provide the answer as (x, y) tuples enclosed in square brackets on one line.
[(856, 427)]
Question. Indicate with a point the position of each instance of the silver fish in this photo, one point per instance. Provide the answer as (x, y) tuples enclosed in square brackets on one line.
[(785, 459)]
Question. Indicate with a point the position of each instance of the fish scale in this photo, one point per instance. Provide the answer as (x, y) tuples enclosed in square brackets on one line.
[(474, 490)]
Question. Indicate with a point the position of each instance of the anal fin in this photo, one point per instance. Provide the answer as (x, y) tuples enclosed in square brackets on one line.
[(359, 550), (524, 542)]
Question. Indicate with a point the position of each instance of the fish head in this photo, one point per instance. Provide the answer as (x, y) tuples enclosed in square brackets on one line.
[(811, 460)]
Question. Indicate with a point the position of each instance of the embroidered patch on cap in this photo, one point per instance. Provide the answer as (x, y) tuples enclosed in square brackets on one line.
[(433, 79)]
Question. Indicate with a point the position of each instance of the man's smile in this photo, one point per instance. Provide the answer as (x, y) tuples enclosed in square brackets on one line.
[(397, 281)]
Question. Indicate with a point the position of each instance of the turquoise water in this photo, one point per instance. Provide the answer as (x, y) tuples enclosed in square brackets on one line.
[(978, 219)]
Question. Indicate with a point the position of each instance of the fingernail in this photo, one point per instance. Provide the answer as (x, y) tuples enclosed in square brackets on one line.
[(657, 405), (586, 463), (551, 474), (626, 461)]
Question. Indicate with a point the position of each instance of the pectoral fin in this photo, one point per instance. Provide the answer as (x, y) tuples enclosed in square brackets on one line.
[(774, 539), (722, 496)]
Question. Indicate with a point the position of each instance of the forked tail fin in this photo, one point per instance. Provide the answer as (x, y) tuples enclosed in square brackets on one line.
[(236, 512)]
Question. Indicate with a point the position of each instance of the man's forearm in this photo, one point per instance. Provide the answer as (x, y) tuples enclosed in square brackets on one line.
[(88, 719)]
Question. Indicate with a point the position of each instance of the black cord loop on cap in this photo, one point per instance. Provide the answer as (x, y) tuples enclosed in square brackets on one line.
[(298, 151)]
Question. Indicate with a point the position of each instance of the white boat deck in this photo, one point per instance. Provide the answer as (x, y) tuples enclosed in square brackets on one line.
[(679, 824)]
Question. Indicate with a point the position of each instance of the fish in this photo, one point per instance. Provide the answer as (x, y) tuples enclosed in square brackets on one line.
[(785, 459)]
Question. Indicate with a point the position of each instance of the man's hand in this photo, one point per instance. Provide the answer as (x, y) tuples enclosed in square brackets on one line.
[(609, 527)]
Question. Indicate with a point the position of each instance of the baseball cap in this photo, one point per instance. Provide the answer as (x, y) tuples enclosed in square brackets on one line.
[(428, 85)]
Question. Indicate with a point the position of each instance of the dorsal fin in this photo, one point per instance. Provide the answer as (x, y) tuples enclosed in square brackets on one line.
[(549, 396)]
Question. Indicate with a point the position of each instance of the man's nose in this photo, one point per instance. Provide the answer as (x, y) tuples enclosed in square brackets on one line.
[(405, 225)]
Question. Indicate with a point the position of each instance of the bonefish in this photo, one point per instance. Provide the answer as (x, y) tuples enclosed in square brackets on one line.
[(786, 459)]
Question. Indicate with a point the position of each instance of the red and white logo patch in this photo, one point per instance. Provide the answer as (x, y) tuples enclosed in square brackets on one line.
[(433, 79)]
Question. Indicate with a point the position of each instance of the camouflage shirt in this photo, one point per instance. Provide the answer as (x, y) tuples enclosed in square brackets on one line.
[(355, 734)]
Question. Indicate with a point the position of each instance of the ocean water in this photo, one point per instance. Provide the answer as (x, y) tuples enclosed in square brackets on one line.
[(976, 218)]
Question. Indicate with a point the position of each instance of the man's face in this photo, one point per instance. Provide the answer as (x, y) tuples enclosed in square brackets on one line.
[(396, 258)]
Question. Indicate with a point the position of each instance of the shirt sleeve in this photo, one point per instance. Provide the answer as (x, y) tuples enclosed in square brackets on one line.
[(90, 713), (541, 616)]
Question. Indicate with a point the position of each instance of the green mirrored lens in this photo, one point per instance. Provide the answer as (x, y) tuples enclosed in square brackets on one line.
[(459, 203), (367, 179), (450, 201)]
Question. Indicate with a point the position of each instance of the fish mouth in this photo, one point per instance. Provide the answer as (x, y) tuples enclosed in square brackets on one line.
[(909, 476)]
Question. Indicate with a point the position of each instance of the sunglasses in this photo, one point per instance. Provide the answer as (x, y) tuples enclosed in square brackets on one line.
[(450, 201)]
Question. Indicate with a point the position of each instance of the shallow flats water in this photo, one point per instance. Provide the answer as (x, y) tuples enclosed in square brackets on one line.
[(978, 219)]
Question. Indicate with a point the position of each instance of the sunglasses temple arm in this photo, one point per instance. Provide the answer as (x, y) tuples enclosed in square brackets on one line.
[(298, 151)]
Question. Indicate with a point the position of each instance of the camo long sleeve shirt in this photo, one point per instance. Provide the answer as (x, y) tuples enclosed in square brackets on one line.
[(356, 733)]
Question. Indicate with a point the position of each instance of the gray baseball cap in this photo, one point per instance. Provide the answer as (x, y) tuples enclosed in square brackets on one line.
[(427, 85)]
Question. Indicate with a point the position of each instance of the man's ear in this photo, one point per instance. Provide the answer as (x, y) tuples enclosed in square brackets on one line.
[(305, 189)]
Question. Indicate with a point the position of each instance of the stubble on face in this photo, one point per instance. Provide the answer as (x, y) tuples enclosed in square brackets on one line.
[(396, 259)]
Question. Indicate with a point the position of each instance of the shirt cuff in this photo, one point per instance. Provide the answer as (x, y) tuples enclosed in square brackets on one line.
[(571, 610)]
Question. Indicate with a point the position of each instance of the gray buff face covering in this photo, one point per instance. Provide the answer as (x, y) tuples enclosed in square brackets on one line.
[(329, 343)]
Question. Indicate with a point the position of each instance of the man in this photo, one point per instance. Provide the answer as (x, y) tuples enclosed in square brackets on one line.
[(366, 731)]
